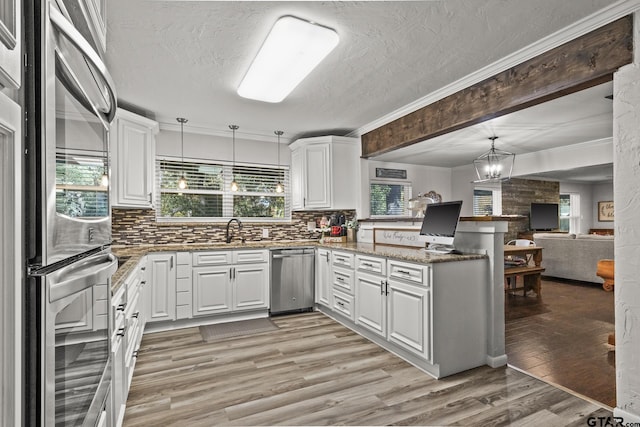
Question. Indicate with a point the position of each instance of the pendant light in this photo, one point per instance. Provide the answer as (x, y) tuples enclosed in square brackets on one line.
[(104, 180), (234, 184), (182, 182), (279, 186), (494, 165)]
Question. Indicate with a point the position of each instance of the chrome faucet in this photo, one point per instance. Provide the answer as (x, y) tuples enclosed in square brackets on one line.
[(228, 235)]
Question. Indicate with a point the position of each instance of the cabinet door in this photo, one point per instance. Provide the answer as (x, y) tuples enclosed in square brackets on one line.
[(409, 318), (10, 43), (162, 287), (323, 277), (250, 286), (118, 387), (133, 153), (297, 179), (318, 176), (371, 303), (212, 290)]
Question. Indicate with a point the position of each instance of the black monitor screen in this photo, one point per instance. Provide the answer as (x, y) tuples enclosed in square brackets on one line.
[(441, 219), (543, 216)]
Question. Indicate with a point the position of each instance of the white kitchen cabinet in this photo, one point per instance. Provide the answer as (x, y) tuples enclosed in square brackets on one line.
[(371, 303), (118, 371), (162, 287), (324, 173), (184, 286), (10, 44), (323, 277), (132, 139), (212, 292), (409, 317), (249, 290), (220, 288)]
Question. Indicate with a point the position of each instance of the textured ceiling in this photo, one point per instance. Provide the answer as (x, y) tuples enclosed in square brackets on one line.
[(186, 58)]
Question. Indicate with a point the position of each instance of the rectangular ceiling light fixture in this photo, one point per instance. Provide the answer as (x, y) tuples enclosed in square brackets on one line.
[(293, 48)]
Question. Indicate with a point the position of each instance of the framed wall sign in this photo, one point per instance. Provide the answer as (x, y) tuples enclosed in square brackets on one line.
[(605, 211), (397, 237)]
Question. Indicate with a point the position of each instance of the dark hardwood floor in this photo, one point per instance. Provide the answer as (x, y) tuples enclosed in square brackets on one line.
[(562, 337), (314, 371)]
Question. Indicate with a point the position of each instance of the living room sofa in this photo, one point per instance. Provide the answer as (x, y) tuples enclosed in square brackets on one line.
[(571, 256)]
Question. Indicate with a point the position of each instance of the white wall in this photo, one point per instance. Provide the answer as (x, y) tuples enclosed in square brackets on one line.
[(422, 178), (213, 147), (601, 193), (586, 202), (462, 187)]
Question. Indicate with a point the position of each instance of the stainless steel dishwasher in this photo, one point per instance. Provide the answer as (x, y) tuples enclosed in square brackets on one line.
[(292, 279)]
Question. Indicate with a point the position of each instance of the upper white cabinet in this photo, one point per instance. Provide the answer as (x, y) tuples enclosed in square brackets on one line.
[(10, 46), (133, 148), (324, 173)]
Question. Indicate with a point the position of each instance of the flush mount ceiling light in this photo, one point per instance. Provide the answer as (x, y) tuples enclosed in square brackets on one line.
[(293, 48), (494, 165), (279, 186), (182, 182), (234, 184)]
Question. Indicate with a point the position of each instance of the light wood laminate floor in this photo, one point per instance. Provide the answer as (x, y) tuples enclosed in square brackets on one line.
[(314, 371)]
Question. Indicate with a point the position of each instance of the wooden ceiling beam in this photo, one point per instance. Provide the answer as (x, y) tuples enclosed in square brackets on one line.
[(581, 63)]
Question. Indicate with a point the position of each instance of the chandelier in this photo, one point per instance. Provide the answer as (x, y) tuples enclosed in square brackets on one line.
[(495, 164)]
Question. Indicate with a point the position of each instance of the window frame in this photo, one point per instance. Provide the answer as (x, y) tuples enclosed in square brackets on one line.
[(574, 213), (407, 187), (226, 193), (496, 198)]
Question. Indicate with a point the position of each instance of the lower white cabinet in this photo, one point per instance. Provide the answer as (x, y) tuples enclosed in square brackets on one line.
[(119, 386), (211, 290), (162, 289), (371, 303), (323, 277), (409, 317), (221, 289)]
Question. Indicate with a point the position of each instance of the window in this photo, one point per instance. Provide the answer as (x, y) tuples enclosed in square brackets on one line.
[(388, 199), (207, 196), (570, 213), (487, 201)]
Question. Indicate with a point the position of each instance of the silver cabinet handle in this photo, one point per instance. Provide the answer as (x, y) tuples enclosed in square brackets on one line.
[(121, 331), (135, 315), (366, 264), (386, 287), (171, 263), (151, 198), (382, 287), (404, 271), (121, 307), (340, 278)]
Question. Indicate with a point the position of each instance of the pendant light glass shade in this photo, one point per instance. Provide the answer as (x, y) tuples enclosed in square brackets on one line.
[(182, 182), (279, 185), (234, 184), (104, 180), (494, 165)]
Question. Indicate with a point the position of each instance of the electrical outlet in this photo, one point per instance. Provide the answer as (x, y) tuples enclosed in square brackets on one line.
[(265, 232)]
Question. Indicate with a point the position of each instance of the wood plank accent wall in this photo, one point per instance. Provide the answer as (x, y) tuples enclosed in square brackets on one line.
[(517, 196), (584, 62)]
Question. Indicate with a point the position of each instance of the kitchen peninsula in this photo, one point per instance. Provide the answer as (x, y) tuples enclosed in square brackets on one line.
[(423, 307)]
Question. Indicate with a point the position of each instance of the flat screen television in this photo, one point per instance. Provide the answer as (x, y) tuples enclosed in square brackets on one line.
[(543, 216), (439, 224)]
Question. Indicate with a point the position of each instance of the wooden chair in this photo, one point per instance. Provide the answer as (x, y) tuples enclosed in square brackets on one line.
[(606, 269)]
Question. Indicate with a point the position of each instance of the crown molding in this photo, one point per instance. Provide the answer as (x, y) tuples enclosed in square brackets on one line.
[(602, 17)]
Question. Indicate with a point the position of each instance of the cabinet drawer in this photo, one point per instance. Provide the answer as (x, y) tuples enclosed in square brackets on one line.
[(183, 258), (250, 256), (183, 298), (343, 279), (342, 259), (371, 265), (343, 304), (412, 273), (183, 312), (212, 258), (183, 272), (183, 284)]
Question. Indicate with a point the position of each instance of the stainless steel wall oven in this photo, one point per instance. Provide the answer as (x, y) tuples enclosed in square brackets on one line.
[(70, 102)]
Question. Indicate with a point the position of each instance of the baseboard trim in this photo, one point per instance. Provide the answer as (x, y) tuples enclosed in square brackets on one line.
[(628, 417), (497, 361)]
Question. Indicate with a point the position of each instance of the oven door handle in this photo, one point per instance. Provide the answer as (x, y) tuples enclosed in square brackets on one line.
[(67, 29), (81, 275)]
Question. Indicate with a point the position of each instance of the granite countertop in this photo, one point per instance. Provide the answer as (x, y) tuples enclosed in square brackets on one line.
[(134, 253)]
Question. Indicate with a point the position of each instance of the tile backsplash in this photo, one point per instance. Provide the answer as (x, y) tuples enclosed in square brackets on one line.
[(139, 226)]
